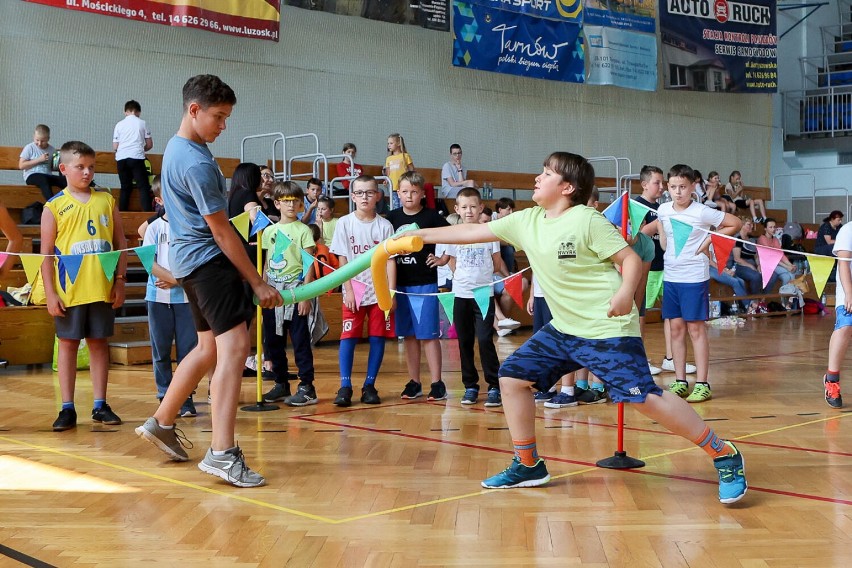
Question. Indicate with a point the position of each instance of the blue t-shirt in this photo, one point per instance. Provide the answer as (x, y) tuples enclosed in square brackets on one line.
[(193, 186)]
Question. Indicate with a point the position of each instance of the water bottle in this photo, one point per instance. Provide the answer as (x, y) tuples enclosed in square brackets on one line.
[(735, 307), (715, 307)]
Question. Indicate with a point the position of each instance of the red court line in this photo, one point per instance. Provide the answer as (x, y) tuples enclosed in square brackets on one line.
[(565, 460)]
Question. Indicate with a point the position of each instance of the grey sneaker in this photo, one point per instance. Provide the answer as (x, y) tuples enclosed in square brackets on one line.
[(171, 442), (231, 467), (305, 395)]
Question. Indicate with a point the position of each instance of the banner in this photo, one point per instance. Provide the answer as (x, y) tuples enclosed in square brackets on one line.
[(719, 46), (565, 10), (258, 19), (637, 16), (430, 14), (507, 42), (621, 58)]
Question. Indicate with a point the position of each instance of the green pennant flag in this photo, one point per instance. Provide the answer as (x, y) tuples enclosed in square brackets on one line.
[(282, 242), (447, 300), (32, 264), (637, 214), (681, 232), (482, 295), (241, 222), (307, 261), (109, 260), (146, 255)]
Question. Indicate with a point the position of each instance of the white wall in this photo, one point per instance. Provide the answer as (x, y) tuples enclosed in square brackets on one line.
[(350, 79)]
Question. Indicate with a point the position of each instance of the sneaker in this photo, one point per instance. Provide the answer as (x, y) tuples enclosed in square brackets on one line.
[(700, 393), (668, 365), (519, 475), (508, 323), (592, 396), (171, 442), (654, 370), (66, 420), (732, 481), (369, 395), (411, 391), (561, 400), (832, 393), (503, 332), (188, 409), (105, 415), (437, 391), (344, 397), (494, 399), (470, 396), (543, 396), (277, 393), (758, 220), (305, 396), (231, 467), (680, 388)]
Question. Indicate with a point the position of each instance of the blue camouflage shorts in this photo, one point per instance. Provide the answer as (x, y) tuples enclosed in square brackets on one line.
[(620, 362)]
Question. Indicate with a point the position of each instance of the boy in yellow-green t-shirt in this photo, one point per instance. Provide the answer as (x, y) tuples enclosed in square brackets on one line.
[(573, 250), (284, 272), (77, 223)]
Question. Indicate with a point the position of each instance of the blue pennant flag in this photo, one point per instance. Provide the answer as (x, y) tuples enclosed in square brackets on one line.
[(416, 303), (307, 263), (71, 263), (260, 222)]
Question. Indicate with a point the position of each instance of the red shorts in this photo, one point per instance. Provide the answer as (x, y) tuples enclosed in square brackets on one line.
[(377, 326)]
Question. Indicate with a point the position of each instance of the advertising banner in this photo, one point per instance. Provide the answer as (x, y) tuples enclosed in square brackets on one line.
[(621, 58), (720, 46), (637, 16), (258, 19), (508, 42), (564, 10)]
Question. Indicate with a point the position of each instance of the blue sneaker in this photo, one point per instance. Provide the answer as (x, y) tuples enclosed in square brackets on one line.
[(732, 481), (470, 396), (543, 396), (561, 400), (494, 398), (519, 475)]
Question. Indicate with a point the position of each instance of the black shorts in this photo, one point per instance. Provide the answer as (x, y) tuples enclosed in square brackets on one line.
[(741, 204), (90, 321), (217, 296)]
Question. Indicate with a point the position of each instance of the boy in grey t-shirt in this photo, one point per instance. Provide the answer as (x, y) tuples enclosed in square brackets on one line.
[(36, 161)]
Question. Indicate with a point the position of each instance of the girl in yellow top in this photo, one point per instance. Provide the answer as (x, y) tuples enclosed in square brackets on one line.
[(397, 163)]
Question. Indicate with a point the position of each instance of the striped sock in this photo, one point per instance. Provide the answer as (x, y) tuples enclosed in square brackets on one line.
[(525, 450), (583, 384), (832, 376), (712, 444), (68, 405)]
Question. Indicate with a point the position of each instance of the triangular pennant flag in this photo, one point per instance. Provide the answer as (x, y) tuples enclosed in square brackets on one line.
[(722, 248), (769, 259), (282, 243), (241, 222), (416, 303), (613, 212), (821, 269), (681, 232), (32, 264), (637, 216), (71, 263), (447, 300), (515, 288), (260, 222), (3, 257), (307, 262), (109, 260), (482, 295), (146, 255), (360, 289)]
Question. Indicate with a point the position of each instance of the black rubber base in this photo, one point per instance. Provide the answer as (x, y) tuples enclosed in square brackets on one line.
[(620, 460), (261, 407)]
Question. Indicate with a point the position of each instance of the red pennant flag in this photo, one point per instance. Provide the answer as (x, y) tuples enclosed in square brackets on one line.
[(514, 287), (722, 248)]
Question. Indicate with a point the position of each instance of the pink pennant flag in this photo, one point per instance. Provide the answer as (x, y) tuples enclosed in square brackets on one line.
[(769, 259), (360, 289), (3, 257)]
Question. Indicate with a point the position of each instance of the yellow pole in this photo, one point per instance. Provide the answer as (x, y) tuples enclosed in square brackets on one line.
[(259, 322)]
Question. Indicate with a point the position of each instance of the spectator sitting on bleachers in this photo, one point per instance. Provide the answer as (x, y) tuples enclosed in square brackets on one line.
[(747, 263), (728, 278), (785, 270), (735, 190), (345, 170), (454, 174), (37, 163)]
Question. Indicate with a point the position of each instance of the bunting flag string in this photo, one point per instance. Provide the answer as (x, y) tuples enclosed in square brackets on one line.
[(821, 267), (681, 233), (261, 221), (769, 259), (722, 248), (482, 295), (514, 287), (241, 223), (71, 263)]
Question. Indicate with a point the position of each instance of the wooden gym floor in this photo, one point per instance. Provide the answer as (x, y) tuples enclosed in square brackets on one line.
[(398, 485)]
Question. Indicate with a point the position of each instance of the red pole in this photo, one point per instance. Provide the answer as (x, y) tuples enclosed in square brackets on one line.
[(620, 426), (625, 220)]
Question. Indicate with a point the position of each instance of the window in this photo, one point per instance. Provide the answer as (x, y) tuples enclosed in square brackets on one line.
[(699, 80), (717, 81), (677, 76)]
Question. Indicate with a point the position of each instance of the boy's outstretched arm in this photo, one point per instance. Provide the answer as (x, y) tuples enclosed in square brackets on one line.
[(631, 273), (455, 235)]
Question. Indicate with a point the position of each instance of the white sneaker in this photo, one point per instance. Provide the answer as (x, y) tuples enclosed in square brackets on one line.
[(503, 332), (654, 370), (508, 323), (668, 365)]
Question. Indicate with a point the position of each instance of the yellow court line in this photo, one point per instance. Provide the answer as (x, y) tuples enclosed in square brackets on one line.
[(327, 520)]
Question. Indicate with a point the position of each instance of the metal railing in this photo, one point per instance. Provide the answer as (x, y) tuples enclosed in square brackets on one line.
[(823, 112), (619, 163)]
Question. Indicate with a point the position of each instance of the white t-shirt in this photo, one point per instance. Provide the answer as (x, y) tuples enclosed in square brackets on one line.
[(537, 291), (474, 267), (687, 267), (444, 272), (158, 233), (130, 134), (353, 237), (843, 241)]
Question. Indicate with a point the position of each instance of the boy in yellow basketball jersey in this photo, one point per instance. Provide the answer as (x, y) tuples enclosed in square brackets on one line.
[(78, 222)]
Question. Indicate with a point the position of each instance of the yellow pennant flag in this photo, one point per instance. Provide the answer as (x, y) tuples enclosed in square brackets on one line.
[(821, 268), (241, 222), (32, 264)]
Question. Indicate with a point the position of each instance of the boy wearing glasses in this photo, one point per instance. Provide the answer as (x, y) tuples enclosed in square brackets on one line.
[(454, 174), (355, 234), (284, 272)]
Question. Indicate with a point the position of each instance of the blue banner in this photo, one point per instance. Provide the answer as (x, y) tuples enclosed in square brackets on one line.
[(637, 16), (622, 58), (720, 46), (507, 42), (564, 10)]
